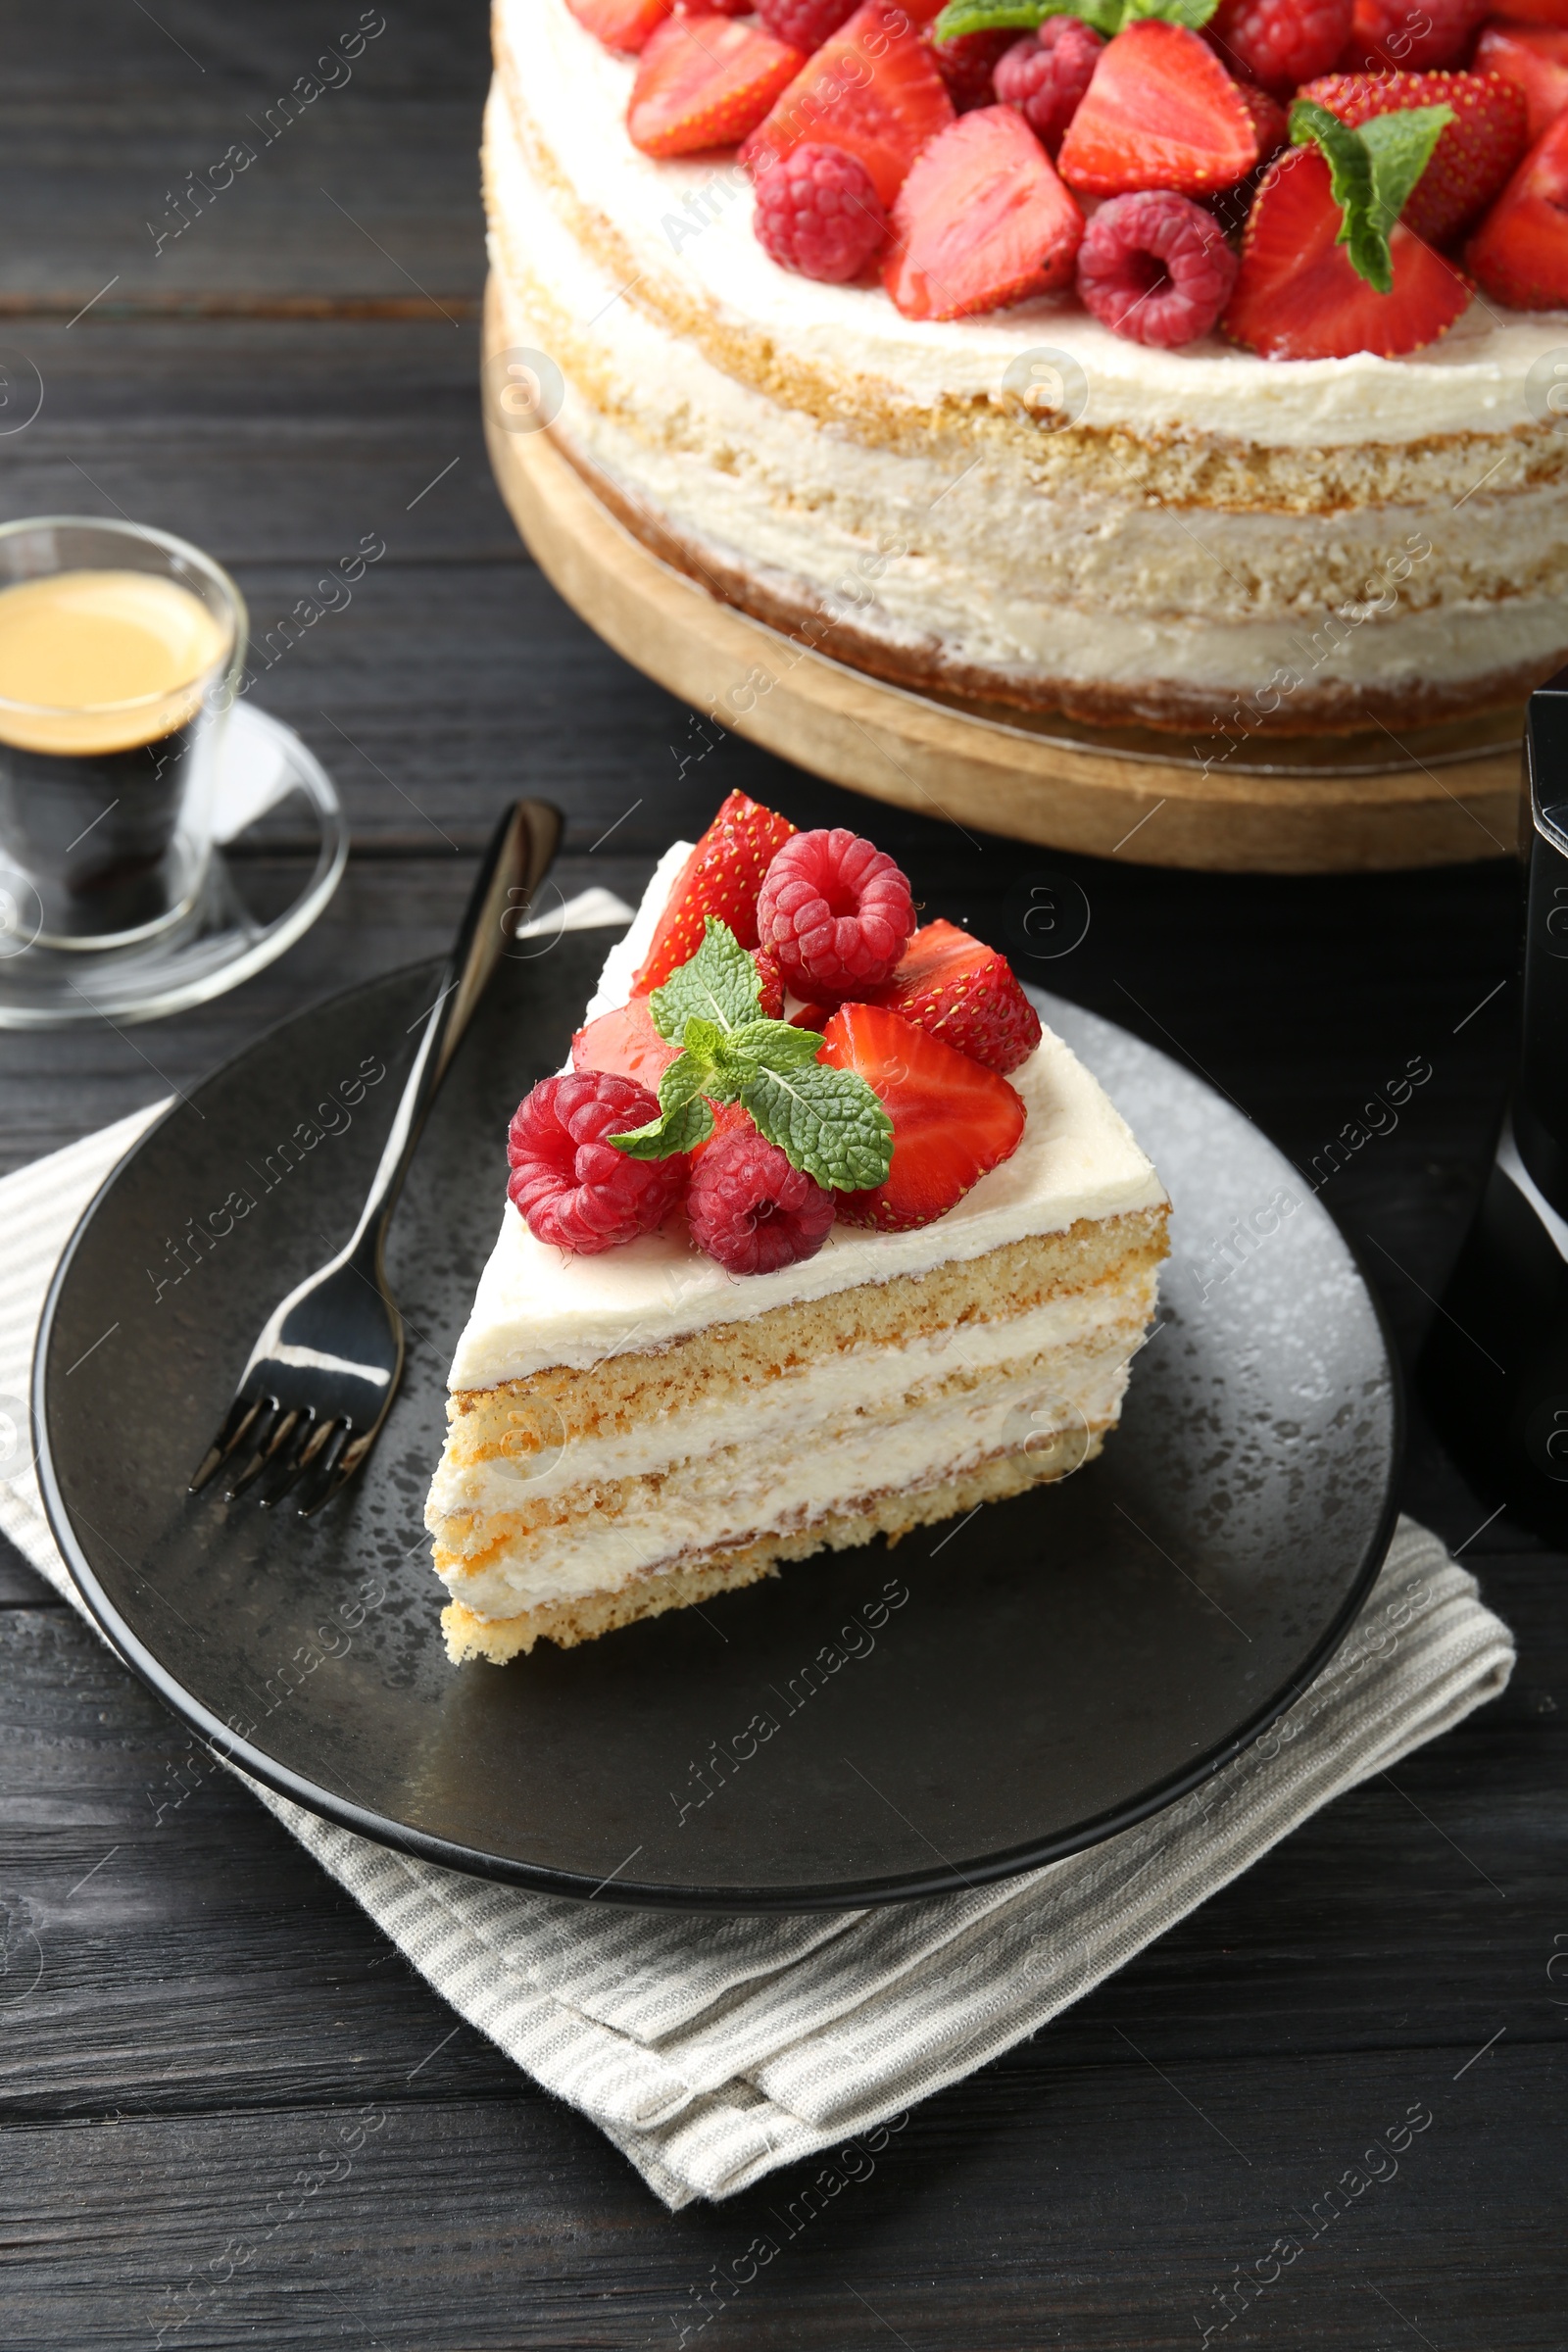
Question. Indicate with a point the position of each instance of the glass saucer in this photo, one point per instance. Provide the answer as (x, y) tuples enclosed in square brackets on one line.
[(276, 809)]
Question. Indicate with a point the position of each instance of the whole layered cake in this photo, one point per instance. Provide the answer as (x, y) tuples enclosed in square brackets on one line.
[(1158, 363), (822, 1237)]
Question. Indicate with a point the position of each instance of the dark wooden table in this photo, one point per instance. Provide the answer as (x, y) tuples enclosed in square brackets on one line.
[(295, 369)]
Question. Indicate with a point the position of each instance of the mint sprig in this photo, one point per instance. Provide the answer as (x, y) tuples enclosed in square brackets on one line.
[(1104, 16), (825, 1121), (1372, 172)]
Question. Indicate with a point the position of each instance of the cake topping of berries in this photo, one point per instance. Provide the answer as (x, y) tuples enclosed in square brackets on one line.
[(1475, 154), (751, 1210), (722, 877), (1322, 275), (1045, 75), (1281, 43), (803, 24), (1535, 59), (835, 910), (981, 220), (1155, 268), (571, 1186), (870, 89), (968, 65), (952, 1121), (1412, 35), (818, 213), (1161, 112), (706, 81), (1520, 250), (825, 1121), (959, 990)]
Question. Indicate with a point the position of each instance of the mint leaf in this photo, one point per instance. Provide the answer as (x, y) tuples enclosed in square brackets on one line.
[(684, 1118), (1371, 173), (826, 1121), (776, 1044), (1400, 147), (718, 984), (1104, 16)]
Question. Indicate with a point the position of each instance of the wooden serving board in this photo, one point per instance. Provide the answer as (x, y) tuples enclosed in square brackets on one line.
[(901, 746)]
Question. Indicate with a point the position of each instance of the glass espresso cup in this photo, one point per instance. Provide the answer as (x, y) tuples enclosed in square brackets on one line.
[(120, 651)]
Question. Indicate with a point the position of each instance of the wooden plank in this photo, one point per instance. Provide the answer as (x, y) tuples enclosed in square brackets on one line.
[(203, 2011), (120, 155)]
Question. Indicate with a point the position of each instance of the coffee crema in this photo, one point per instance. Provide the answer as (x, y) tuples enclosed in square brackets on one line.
[(102, 662)]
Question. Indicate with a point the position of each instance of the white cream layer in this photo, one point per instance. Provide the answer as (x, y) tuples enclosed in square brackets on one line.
[(788, 1413), (690, 224), (731, 1498), (538, 1307)]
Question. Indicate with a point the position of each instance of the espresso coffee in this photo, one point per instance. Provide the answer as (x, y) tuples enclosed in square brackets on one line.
[(103, 681)]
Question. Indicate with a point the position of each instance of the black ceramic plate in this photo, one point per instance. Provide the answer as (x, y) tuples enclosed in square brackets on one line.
[(983, 1697)]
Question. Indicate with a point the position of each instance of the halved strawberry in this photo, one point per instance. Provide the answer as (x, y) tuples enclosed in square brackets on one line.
[(1297, 296), (706, 81), (1160, 113), (1520, 252), (872, 90), (956, 988), (1474, 155), (1534, 12), (626, 1042), (1535, 59), (722, 876), (952, 1121), (982, 220), (621, 23)]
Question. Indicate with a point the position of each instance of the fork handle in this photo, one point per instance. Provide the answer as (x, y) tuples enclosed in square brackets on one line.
[(519, 856)]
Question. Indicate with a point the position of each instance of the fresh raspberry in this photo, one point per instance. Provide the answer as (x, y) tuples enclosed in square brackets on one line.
[(967, 65), (750, 1209), (1045, 75), (770, 980), (1279, 43), (804, 24), (1155, 268), (572, 1186), (1411, 36), (818, 213), (836, 910)]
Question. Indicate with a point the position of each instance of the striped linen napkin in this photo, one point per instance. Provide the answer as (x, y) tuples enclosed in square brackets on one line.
[(712, 2049)]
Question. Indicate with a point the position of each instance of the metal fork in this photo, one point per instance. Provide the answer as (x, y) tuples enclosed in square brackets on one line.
[(321, 1375)]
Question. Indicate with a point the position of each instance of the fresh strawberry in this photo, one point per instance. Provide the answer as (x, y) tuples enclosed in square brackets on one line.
[(1269, 121), (621, 23), (1520, 250), (722, 877), (1279, 44), (1411, 36), (952, 1121), (706, 81), (1297, 296), (872, 90), (982, 220), (1160, 113), (1474, 156), (959, 990), (770, 982), (1533, 57), (626, 1042), (1534, 12)]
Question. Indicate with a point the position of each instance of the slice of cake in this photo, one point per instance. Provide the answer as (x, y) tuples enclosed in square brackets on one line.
[(845, 1273)]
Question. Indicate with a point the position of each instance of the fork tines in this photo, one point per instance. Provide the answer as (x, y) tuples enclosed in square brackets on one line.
[(286, 1443)]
